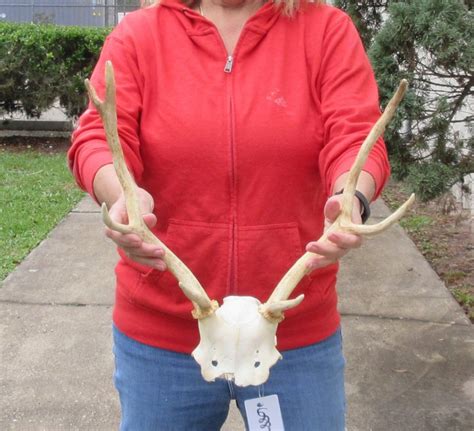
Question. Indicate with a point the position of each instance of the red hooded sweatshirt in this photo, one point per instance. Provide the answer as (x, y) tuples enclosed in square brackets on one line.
[(240, 154)]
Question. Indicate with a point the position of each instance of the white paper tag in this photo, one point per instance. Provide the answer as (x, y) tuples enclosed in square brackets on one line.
[(264, 414)]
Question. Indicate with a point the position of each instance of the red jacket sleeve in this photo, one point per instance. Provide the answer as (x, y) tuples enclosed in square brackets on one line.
[(349, 105), (89, 150)]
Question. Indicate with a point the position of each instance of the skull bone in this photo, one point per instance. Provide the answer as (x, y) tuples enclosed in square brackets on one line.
[(237, 343)]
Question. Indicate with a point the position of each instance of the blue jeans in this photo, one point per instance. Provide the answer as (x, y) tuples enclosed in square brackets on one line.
[(164, 390)]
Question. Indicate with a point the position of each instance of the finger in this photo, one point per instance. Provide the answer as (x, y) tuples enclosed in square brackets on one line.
[(118, 212), (123, 240), (345, 240), (150, 219), (326, 249), (319, 262), (133, 244), (332, 208), (146, 250), (158, 264)]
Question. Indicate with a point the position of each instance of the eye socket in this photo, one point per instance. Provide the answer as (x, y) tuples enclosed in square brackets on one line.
[(215, 363), (257, 364)]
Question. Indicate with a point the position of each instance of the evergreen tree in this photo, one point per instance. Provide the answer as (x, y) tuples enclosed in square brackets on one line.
[(367, 16), (430, 43)]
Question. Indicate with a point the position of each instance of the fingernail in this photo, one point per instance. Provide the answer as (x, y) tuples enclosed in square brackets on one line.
[(158, 252), (160, 266)]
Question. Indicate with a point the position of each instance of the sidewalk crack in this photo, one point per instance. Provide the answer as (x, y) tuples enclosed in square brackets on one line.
[(59, 304), (404, 319)]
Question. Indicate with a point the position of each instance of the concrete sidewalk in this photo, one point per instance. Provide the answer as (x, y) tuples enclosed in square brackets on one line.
[(409, 347)]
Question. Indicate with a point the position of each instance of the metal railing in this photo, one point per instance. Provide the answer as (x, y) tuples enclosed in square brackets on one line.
[(96, 13)]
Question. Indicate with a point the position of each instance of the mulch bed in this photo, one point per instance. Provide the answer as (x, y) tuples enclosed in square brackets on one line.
[(27, 143), (446, 239)]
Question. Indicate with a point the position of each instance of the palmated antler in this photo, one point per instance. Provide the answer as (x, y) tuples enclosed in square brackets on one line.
[(278, 301), (203, 306)]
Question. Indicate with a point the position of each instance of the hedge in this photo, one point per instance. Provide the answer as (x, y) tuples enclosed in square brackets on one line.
[(41, 63)]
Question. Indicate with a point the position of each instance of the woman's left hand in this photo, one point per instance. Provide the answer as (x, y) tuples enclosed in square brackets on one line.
[(338, 243)]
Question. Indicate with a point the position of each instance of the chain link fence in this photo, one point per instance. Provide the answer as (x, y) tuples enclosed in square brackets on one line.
[(95, 13)]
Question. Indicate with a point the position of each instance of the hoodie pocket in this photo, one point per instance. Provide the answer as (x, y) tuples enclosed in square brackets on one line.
[(203, 248), (265, 254)]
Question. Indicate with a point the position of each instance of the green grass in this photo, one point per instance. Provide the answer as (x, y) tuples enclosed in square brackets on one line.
[(36, 192), (463, 296), (415, 223)]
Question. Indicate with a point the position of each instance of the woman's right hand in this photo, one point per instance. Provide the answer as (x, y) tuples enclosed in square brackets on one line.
[(133, 246)]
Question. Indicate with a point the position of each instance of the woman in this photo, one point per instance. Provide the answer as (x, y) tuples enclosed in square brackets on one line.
[(239, 120)]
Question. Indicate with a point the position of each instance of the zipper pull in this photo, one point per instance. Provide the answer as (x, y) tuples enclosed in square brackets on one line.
[(228, 64)]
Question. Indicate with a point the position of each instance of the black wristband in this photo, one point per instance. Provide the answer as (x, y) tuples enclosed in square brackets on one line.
[(364, 203)]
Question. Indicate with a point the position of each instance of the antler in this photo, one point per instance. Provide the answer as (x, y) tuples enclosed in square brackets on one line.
[(191, 287), (277, 303)]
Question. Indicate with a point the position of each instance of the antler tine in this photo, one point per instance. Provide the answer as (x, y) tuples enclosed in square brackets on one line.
[(272, 309), (191, 287), (345, 222), (108, 114), (374, 134)]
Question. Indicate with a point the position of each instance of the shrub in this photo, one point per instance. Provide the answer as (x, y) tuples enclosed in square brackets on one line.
[(428, 42), (430, 179), (43, 63)]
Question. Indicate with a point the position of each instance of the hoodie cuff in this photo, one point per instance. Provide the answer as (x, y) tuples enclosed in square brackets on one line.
[(90, 162), (375, 168)]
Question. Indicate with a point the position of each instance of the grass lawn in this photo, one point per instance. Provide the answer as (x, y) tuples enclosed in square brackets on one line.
[(36, 192)]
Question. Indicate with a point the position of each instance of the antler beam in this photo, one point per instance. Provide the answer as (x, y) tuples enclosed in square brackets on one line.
[(278, 301), (191, 287)]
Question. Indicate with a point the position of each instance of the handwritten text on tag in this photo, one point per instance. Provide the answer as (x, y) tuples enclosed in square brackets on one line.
[(264, 414)]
